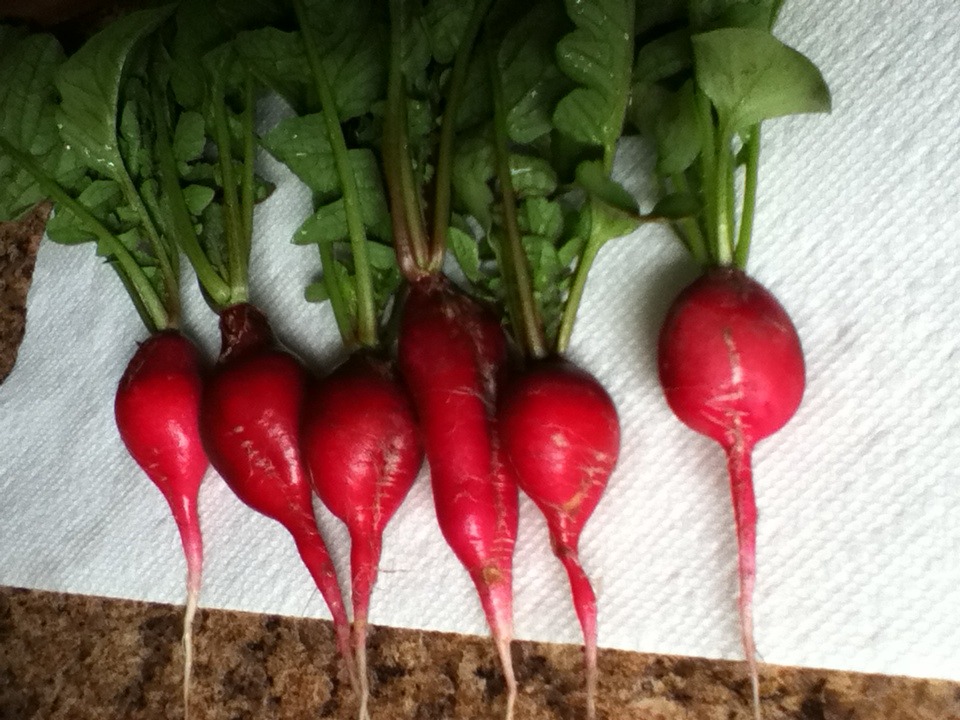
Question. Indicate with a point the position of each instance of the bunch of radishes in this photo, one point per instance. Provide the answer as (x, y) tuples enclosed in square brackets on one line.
[(485, 128)]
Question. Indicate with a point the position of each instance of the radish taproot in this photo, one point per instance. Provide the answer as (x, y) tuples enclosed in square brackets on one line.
[(558, 427), (157, 409), (253, 399), (730, 361), (250, 423), (100, 184), (452, 350), (731, 368), (360, 441)]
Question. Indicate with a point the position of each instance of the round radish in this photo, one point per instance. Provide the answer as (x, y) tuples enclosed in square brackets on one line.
[(250, 421), (157, 409), (362, 449), (732, 368), (561, 434)]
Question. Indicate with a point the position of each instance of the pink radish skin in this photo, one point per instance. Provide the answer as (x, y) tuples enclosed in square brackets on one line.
[(561, 434), (157, 410), (452, 355), (250, 423), (362, 448), (732, 368)]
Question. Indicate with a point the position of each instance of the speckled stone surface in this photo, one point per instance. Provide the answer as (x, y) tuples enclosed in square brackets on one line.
[(73, 657)]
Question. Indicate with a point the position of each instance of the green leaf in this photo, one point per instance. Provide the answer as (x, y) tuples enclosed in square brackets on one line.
[(570, 250), (593, 178), (351, 39), (467, 253), (189, 137), (751, 76), (100, 197), (445, 22), (608, 222), (531, 175), (28, 99), (316, 292), (663, 12), (678, 132), (381, 257), (712, 14), (89, 85), (197, 197), (279, 60), (301, 143), (472, 172), (540, 216), (598, 56), (664, 57)]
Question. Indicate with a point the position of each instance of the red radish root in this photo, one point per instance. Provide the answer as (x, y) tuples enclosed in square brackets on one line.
[(362, 449), (452, 355), (157, 410), (732, 368), (561, 434), (250, 420)]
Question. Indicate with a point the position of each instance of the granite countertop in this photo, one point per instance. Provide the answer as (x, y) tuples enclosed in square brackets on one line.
[(75, 657)]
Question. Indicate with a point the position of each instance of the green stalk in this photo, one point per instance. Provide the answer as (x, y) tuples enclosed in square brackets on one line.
[(589, 254), (157, 315), (724, 199), (749, 198), (232, 223), (338, 303), (689, 227), (186, 236), (441, 206), (708, 171), (247, 181), (526, 320), (408, 233), (366, 330)]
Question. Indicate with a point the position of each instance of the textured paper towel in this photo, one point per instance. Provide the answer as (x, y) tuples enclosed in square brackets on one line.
[(859, 538)]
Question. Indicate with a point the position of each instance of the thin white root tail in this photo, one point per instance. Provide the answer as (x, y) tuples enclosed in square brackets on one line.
[(506, 661), (193, 595)]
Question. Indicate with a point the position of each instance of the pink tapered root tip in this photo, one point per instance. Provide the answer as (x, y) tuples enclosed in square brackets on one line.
[(497, 599), (745, 514), (364, 561), (585, 604), (185, 514)]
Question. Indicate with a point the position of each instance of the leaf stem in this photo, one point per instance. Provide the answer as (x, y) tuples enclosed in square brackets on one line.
[(366, 318), (155, 313), (408, 233), (441, 206), (233, 226), (338, 303), (528, 322), (589, 254), (749, 198), (688, 227), (186, 236), (708, 171), (723, 190), (247, 180)]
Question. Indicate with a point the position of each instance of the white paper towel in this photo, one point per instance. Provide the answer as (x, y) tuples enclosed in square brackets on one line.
[(859, 496)]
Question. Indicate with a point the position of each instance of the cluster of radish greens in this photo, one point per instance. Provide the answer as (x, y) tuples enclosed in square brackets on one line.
[(460, 157)]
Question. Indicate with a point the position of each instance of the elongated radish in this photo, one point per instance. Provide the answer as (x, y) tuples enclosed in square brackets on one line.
[(452, 353), (157, 409), (250, 423), (362, 448), (732, 368), (560, 430)]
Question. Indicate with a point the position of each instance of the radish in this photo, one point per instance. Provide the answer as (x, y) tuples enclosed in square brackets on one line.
[(359, 438), (730, 361), (157, 409), (362, 448), (732, 368), (558, 427), (253, 399), (250, 424), (101, 185), (452, 350)]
